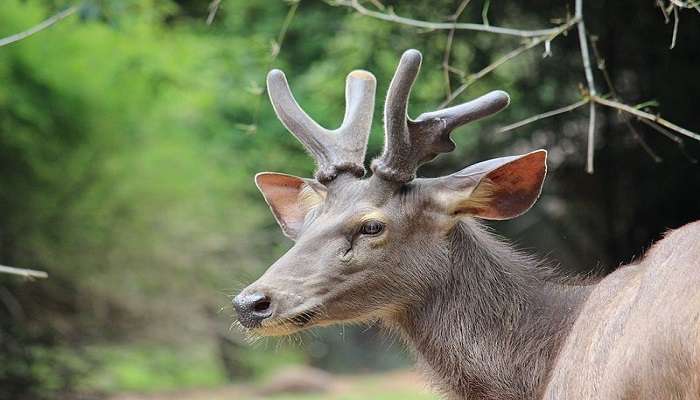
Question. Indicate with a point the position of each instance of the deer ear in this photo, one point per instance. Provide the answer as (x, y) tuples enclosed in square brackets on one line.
[(290, 198), (498, 189)]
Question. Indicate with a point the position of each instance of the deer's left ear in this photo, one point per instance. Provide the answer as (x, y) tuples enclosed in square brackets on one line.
[(498, 189), (290, 198)]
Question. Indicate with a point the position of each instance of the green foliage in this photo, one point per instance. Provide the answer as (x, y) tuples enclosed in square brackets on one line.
[(263, 362), (127, 174), (120, 156), (149, 368), (56, 370)]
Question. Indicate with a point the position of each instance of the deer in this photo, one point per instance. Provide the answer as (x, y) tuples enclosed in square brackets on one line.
[(483, 319)]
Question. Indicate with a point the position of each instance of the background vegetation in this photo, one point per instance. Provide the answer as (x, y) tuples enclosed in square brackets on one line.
[(130, 132)]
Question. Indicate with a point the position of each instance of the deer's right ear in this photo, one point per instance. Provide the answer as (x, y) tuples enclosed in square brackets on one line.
[(290, 198), (502, 188)]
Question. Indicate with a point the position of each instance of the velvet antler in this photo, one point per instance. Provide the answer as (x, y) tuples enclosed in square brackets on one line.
[(410, 143), (335, 151)]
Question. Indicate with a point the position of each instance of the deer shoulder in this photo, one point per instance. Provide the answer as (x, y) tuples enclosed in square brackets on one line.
[(638, 333)]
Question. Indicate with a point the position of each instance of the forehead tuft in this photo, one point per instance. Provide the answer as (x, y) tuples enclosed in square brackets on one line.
[(349, 190), (354, 194)]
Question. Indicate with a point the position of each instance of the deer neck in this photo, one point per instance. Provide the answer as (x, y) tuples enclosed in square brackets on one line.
[(491, 323)]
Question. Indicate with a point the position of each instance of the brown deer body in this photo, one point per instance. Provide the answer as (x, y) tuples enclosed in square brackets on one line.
[(637, 335), (484, 320)]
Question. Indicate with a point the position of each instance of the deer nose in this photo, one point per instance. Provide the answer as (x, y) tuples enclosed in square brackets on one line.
[(252, 308)]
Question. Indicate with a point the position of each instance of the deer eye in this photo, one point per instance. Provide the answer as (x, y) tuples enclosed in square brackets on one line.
[(372, 227)]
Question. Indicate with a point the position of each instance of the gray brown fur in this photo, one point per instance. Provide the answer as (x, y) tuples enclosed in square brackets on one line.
[(485, 321), (638, 333)]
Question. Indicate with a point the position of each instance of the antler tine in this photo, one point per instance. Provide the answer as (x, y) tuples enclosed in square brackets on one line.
[(481, 107), (410, 143), (396, 104), (353, 134), (335, 151)]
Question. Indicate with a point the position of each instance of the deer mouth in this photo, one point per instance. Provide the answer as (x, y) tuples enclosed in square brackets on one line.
[(303, 319), (282, 326)]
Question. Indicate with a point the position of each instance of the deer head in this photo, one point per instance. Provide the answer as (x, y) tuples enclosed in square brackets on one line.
[(365, 246)]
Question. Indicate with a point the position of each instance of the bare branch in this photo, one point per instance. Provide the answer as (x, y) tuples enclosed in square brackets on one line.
[(459, 11), (687, 4), (544, 115), (585, 57), (645, 115), (456, 71), (355, 4), (640, 139), (27, 273), (213, 9), (676, 21), (39, 27), (671, 136), (276, 47), (534, 38), (600, 62), (446, 62), (660, 4), (486, 70), (485, 12), (448, 46), (507, 57), (378, 4), (591, 138), (662, 131)]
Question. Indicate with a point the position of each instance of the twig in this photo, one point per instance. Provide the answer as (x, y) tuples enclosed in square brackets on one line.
[(688, 4), (27, 273), (39, 27), (355, 4), (446, 63), (285, 27), (671, 136), (276, 47), (600, 62), (676, 20), (660, 4), (448, 46), (456, 70), (378, 4), (585, 57), (213, 9), (536, 37), (640, 140), (485, 13), (645, 115), (507, 57), (459, 10), (544, 115), (662, 131)]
